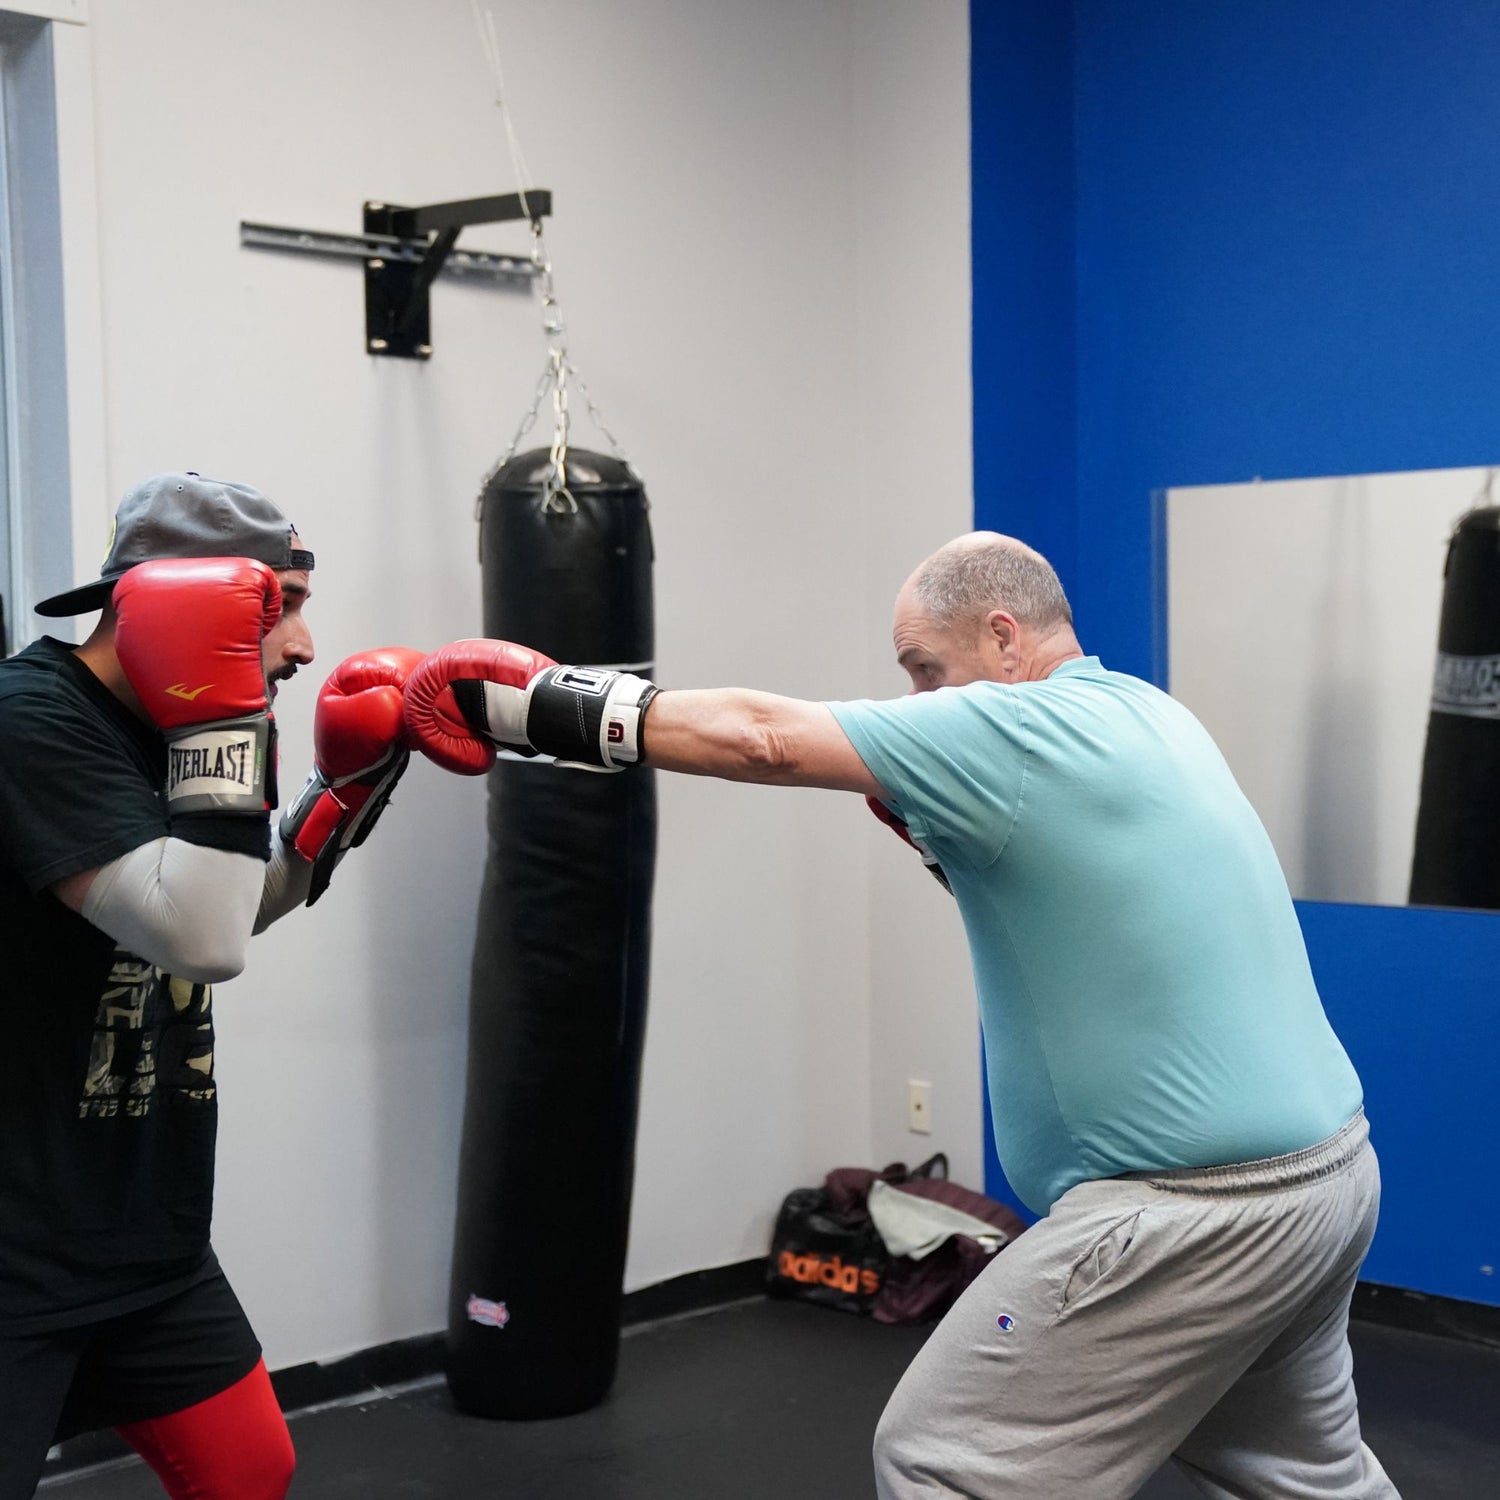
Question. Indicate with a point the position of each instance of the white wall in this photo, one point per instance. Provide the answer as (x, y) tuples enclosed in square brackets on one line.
[(915, 444), (761, 244), (1303, 621)]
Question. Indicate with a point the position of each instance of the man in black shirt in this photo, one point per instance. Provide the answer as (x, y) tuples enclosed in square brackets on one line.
[(137, 773)]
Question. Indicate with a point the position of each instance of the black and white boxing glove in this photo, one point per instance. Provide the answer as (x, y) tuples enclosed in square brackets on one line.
[(471, 699)]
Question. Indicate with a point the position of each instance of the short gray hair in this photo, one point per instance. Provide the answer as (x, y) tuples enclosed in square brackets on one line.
[(985, 571)]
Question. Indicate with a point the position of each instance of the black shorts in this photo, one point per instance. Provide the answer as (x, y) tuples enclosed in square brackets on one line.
[(148, 1363)]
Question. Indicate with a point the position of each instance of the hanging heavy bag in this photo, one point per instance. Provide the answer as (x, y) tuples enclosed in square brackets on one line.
[(1456, 857), (558, 1000)]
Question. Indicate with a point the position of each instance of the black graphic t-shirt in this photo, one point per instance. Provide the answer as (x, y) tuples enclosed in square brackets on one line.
[(107, 1107)]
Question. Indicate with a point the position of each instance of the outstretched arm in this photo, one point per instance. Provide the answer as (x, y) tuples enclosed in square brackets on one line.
[(469, 698), (472, 697), (742, 735)]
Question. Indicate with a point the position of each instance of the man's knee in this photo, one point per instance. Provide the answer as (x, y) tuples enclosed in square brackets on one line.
[(273, 1473), (268, 1476), (264, 1473)]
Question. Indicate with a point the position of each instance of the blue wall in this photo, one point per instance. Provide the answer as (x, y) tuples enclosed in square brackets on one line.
[(1257, 237), (1025, 422)]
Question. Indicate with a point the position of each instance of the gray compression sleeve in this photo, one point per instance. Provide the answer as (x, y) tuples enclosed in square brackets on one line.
[(288, 880), (184, 907)]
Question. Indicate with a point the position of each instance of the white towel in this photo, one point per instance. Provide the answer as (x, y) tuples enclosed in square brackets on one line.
[(917, 1226)]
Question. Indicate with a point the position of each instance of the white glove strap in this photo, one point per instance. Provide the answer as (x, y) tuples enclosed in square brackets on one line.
[(505, 712)]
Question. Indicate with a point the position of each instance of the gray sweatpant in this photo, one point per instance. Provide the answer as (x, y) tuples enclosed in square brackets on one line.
[(1198, 1315)]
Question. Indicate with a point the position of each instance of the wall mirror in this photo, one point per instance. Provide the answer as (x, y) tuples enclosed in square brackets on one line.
[(1303, 622)]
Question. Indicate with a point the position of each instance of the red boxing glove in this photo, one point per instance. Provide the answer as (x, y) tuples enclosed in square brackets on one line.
[(360, 751), (897, 824), (470, 697), (188, 635), (476, 695), (459, 735)]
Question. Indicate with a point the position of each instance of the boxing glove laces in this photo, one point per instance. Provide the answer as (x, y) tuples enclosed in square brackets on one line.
[(472, 698)]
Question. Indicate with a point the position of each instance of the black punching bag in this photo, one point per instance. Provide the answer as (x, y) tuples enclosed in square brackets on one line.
[(1456, 861), (558, 1005)]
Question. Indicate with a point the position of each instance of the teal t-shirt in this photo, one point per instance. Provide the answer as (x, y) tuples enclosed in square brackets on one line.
[(1143, 985)]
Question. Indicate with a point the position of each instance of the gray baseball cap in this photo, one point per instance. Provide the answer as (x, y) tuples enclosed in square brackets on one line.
[(185, 515)]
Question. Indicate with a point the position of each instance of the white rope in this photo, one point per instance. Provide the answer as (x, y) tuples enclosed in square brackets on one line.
[(489, 42), (560, 368)]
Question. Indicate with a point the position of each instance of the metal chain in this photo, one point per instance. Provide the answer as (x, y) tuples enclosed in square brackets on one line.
[(555, 378), (556, 495), (596, 416), (527, 423)]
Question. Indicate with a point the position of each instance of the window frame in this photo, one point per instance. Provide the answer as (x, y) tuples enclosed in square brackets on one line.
[(54, 452)]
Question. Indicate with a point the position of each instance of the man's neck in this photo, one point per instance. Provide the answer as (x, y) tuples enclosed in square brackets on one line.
[(1049, 654), (98, 655)]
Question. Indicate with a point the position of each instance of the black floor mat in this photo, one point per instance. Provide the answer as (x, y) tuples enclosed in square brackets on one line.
[(778, 1401)]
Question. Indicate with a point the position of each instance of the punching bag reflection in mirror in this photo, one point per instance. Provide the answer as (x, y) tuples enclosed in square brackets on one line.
[(1456, 858)]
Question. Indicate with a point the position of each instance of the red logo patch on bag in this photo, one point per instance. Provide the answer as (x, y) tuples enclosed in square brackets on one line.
[(491, 1314)]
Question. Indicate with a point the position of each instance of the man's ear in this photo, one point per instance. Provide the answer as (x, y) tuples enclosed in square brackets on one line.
[(1005, 635), (1003, 628)]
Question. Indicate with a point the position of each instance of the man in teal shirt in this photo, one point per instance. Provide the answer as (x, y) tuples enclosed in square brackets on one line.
[(1145, 991), (1167, 1091)]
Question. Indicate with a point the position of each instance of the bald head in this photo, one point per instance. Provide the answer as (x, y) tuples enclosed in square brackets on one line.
[(983, 608), (983, 571)]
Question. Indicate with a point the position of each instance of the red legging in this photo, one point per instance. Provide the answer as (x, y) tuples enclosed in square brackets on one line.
[(234, 1446)]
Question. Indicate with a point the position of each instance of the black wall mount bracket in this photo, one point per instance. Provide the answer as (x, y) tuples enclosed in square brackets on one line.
[(404, 251), (397, 313)]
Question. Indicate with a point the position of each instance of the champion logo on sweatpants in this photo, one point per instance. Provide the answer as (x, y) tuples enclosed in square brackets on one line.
[(1005, 1322)]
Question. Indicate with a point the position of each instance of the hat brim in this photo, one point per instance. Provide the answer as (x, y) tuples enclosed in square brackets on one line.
[(80, 601), (91, 596)]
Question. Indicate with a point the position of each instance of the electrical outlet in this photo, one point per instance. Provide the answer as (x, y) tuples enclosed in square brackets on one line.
[(918, 1106)]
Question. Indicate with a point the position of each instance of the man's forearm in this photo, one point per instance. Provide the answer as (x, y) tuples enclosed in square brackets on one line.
[(288, 880), (188, 908), (742, 735)]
